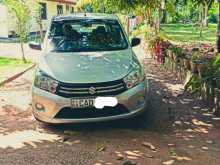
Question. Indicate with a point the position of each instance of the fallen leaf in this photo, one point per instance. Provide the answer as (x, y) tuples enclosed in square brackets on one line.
[(181, 158), (97, 164), (209, 141), (178, 122), (186, 138), (191, 136), (191, 146), (130, 153), (102, 148), (216, 118), (200, 123), (76, 141), (201, 130), (169, 162), (120, 157), (68, 143), (158, 92), (117, 152), (149, 156), (109, 163), (178, 135), (132, 157), (152, 147), (190, 130), (205, 148)]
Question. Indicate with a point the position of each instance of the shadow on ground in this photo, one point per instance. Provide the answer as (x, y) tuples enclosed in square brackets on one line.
[(168, 129)]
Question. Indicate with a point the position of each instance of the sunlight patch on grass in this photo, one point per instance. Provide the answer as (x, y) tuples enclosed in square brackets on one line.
[(10, 66), (189, 33), (12, 62)]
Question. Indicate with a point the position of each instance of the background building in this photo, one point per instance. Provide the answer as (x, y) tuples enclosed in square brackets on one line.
[(49, 8)]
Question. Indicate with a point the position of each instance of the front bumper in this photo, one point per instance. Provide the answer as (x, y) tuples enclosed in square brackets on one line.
[(133, 99)]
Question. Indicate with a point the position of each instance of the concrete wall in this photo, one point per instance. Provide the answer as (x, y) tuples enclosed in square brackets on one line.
[(8, 22), (3, 21)]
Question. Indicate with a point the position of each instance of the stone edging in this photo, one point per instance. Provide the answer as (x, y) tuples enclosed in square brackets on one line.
[(16, 75)]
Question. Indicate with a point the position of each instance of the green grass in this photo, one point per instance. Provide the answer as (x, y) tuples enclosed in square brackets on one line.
[(11, 66), (12, 62), (189, 33)]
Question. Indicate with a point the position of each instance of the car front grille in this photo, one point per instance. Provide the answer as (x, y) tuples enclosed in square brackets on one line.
[(112, 88), (86, 113)]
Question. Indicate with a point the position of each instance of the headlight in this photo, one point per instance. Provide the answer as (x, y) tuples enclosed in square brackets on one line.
[(134, 78), (44, 82)]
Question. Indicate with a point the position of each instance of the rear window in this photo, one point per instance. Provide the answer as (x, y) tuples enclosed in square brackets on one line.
[(87, 35)]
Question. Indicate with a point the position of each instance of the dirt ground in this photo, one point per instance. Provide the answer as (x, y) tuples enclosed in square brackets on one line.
[(177, 129)]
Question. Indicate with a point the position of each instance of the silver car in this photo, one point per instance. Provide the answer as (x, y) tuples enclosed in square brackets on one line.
[(87, 61)]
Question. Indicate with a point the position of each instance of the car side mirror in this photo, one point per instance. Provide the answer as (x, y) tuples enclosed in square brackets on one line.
[(135, 42), (35, 45)]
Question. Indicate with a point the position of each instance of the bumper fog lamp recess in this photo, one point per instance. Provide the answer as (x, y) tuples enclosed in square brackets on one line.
[(140, 102), (40, 107)]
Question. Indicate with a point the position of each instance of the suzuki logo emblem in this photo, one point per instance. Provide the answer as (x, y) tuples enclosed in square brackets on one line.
[(92, 90)]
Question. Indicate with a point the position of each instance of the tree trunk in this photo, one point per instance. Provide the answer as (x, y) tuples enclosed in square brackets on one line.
[(164, 18), (205, 19), (22, 50), (200, 17), (158, 20), (41, 31), (201, 24), (218, 31), (128, 25), (164, 11), (21, 40), (150, 20)]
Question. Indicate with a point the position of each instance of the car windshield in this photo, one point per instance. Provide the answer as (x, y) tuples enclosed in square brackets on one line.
[(86, 35)]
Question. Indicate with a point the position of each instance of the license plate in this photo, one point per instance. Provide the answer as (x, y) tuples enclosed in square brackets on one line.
[(82, 103)]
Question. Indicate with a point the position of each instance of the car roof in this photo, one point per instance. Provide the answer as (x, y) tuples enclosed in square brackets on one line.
[(85, 16)]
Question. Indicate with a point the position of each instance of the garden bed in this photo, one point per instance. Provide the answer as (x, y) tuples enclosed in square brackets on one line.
[(197, 65)]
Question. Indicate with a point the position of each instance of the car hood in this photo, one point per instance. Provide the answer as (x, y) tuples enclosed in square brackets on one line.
[(88, 67)]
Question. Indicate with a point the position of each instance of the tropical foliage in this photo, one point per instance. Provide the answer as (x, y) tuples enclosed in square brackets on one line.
[(158, 11)]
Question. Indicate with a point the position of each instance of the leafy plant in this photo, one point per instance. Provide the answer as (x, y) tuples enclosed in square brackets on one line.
[(216, 65), (194, 84), (195, 55), (178, 51), (21, 11)]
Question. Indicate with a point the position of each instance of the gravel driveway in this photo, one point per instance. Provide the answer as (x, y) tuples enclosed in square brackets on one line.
[(177, 129)]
